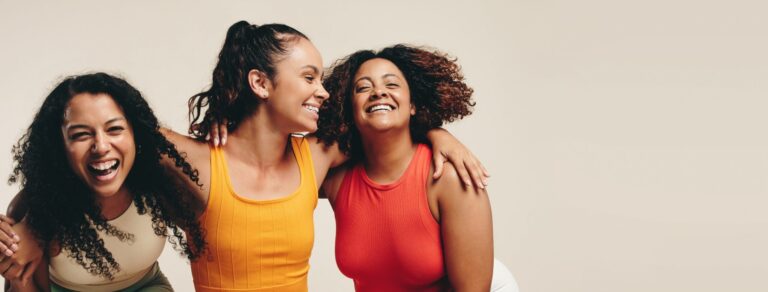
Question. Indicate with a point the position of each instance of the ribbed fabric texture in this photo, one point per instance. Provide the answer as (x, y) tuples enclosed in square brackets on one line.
[(136, 258), (386, 237), (257, 245)]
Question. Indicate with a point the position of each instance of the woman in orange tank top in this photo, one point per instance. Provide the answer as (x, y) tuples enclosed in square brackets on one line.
[(398, 228)]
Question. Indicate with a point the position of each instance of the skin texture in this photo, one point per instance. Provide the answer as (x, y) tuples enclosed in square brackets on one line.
[(464, 213)]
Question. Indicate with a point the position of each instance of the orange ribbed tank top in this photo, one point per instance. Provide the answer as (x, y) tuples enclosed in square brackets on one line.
[(386, 236), (257, 245)]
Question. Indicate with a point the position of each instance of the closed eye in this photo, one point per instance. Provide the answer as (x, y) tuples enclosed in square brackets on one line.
[(79, 135), (115, 129)]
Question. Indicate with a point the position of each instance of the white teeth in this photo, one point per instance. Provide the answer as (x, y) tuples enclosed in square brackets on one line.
[(384, 107), (312, 108), (104, 165)]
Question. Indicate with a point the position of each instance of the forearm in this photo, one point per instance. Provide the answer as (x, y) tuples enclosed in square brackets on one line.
[(437, 134), (17, 286), (39, 281)]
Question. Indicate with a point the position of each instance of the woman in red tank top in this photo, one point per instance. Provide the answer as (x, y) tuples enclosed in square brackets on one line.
[(398, 229)]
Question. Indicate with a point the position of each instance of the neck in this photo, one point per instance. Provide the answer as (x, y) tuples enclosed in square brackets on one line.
[(388, 154), (258, 141), (114, 206)]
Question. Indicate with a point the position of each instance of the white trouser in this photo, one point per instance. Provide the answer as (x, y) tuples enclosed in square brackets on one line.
[(502, 280)]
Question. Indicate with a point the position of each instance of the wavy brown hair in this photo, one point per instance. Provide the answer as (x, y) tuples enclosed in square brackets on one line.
[(246, 47), (60, 207), (437, 88)]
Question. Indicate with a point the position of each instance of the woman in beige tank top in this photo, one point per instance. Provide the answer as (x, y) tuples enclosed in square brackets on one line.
[(95, 193)]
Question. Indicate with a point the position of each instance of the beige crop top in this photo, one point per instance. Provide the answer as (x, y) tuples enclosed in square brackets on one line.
[(135, 258)]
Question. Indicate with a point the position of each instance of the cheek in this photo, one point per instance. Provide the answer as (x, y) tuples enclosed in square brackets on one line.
[(128, 146), (404, 102), (358, 101), (357, 111)]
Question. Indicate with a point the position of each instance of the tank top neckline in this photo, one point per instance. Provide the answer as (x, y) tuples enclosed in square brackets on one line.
[(408, 170), (228, 180), (131, 207)]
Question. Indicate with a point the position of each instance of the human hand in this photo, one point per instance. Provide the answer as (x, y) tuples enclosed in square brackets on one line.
[(22, 264), (447, 148)]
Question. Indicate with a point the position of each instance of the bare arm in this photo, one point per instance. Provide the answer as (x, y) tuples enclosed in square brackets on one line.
[(197, 154), (330, 187), (28, 258), (40, 280), (445, 148), (8, 238), (467, 231)]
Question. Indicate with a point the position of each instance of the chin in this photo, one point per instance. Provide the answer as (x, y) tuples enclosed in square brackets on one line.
[(109, 190), (311, 128), (383, 126), (106, 192)]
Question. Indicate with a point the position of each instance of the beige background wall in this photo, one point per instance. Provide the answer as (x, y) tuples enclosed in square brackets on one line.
[(626, 139)]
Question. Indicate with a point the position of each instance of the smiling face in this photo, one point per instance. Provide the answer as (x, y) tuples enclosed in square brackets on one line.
[(381, 97), (296, 92), (99, 143)]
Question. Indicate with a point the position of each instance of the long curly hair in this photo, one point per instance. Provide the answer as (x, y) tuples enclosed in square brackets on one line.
[(437, 88), (246, 47), (60, 207)]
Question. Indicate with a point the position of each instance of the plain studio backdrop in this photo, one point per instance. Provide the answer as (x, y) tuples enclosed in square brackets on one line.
[(626, 139)]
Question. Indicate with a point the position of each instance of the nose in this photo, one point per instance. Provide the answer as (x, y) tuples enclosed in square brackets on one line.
[(378, 93), (322, 93), (101, 144)]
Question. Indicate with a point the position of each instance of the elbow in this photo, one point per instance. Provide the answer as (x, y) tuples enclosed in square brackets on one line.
[(473, 288), (476, 284)]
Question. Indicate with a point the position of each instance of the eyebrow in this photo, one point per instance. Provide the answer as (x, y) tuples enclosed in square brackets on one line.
[(314, 69), (371, 80), (390, 75), (364, 78), (81, 126)]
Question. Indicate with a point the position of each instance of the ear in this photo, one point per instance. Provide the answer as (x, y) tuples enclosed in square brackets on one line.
[(413, 110), (259, 83)]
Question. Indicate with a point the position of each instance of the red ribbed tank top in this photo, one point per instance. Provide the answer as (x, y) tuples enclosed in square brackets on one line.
[(386, 236)]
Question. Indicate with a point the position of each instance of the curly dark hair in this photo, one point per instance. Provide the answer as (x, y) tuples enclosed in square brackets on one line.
[(246, 47), (437, 87), (60, 207)]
